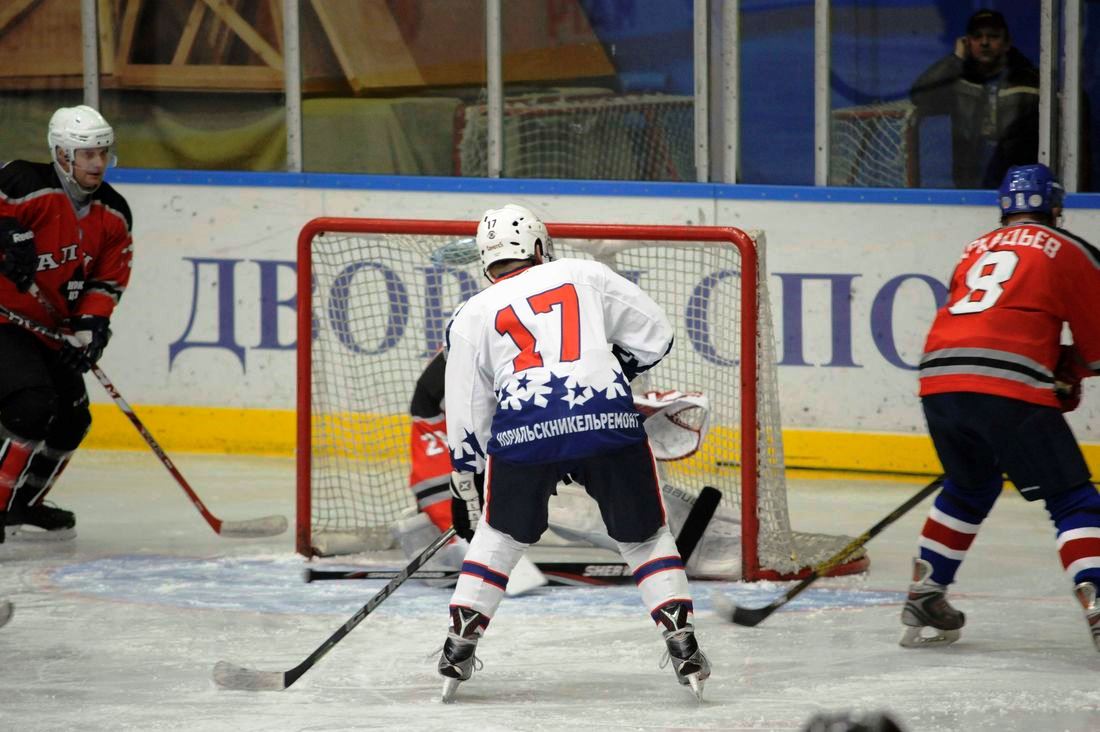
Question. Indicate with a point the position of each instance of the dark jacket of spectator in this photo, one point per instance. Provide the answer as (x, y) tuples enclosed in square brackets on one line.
[(985, 142)]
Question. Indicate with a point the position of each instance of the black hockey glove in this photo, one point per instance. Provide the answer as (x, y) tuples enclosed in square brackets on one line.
[(83, 348), (18, 255), (465, 503), (1068, 372)]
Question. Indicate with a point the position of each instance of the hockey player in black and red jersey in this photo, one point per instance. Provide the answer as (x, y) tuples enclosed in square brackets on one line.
[(994, 381), (538, 377), (78, 261)]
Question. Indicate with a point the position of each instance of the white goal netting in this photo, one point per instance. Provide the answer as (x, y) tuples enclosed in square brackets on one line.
[(380, 304), (584, 136), (874, 145)]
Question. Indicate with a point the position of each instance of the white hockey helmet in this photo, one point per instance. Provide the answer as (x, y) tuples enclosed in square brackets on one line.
[(77, 128), (512, 232)]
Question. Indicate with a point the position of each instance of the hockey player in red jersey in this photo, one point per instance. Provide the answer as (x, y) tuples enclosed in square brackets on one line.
[(79, 266), (994, 381), (538, 386)]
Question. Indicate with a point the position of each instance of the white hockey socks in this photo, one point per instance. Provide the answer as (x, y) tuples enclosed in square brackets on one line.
[(490, 560), (658, 569)]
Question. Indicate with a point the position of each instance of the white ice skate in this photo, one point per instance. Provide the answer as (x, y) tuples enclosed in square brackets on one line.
[(927, 616), (1086, 595)]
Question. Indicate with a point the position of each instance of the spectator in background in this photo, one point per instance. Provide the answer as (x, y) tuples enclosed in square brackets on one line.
[(991, 91)]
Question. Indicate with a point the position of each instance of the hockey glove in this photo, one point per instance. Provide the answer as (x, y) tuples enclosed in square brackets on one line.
[(1068, 372), (465, 503), (84, 346), (18, 255)]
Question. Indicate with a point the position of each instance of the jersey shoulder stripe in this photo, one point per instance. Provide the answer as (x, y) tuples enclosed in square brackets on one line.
[(1092, 254), (113, 201), (21, 180)]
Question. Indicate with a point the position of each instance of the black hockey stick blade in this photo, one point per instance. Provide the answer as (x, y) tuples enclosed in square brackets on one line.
[(702, 511), (750, 617), (231, 676), (6, 611)]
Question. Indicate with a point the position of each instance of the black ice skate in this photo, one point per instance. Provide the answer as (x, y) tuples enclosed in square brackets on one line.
[(927, 607), (457, 662), (1086, 594), (691, 666), (42, 522)]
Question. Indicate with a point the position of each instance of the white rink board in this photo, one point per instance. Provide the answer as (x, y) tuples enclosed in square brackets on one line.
[(866, 245)]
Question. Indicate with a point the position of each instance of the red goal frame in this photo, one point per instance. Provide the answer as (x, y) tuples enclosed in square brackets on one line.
[(749, 304)]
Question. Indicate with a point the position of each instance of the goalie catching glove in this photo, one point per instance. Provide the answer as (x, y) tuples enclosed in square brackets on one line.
[(84, 345), (465, 503)]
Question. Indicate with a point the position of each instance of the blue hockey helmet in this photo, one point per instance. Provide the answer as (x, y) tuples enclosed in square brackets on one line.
[(1028, 188)]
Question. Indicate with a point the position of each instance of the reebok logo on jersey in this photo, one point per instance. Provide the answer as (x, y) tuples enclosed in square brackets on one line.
[(24, 236)]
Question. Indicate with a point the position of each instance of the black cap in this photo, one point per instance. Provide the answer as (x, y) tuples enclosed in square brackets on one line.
[(986, 19)]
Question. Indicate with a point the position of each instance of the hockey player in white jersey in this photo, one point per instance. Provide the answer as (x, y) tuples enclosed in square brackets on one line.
[(538, 377)]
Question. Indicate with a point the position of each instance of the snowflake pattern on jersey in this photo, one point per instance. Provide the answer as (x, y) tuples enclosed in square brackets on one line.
[(542, 415), (465, 460)]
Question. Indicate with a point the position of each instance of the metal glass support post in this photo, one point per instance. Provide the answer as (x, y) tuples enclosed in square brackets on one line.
[(1070, 137), (89, 35), (1047, 44), (701, 68), (822, 103), (495, 89), (731, 90), (292, 84)]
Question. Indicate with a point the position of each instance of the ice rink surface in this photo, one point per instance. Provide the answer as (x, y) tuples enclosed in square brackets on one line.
[(120, 628)]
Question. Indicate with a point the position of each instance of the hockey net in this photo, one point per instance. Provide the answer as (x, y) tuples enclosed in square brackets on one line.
[(875, 145), (381, 292), (583, 136)]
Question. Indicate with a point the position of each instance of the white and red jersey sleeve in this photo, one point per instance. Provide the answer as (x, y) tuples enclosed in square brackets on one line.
[(531, 376), (1010, 295)]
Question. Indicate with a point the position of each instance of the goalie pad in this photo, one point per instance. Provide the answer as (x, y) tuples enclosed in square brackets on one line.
[(575, 517), (675, 421)]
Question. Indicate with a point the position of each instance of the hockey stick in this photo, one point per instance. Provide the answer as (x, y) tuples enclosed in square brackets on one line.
[(702, 511), (754, 616), (231, 676), (562, 573), (266, 526), (558, 573), (6, 611)]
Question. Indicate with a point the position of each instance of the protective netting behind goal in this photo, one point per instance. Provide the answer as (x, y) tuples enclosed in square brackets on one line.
[(874, 145), (381, 297), (609, 137)]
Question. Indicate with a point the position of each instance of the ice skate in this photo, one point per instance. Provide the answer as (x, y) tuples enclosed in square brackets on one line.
[(688, 661), (927, 607), (457, 662), (42, 522), (1086, 594)]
